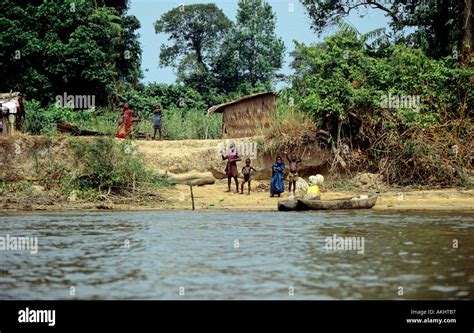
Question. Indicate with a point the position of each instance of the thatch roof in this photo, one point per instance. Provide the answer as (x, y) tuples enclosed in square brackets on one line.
[(220, 108)]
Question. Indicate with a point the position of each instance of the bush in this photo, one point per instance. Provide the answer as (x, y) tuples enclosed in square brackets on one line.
[(108, 163), (44, 120), (38, 119)]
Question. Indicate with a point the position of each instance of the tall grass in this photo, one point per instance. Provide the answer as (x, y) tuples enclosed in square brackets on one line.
[(289, 128), (178, 123)]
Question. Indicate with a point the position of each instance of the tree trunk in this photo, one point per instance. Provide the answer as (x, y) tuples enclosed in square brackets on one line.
[(467, 25)]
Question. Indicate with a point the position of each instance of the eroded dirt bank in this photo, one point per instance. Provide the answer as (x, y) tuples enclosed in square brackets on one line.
[(28, 158), (205, 155)]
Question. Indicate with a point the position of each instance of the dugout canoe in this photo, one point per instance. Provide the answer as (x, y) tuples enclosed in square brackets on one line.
[(346, 203)]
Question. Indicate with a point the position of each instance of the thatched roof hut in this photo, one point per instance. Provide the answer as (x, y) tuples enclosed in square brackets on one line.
[(242, 117)]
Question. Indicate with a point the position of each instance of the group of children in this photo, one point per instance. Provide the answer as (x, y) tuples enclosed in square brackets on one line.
[(231, 169), (277, 184)]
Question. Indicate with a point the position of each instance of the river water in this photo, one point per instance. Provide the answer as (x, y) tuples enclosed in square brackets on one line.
[(238, 255)]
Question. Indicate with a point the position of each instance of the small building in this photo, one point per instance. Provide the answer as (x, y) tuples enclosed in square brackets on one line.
[(244, 116)]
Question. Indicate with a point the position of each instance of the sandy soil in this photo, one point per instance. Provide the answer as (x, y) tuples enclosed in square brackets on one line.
[(212, 197), (182, 156), (215, 197)]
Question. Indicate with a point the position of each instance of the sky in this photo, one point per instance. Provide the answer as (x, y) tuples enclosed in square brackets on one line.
[(291, 25)]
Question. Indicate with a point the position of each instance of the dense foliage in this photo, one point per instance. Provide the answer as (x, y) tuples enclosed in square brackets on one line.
[(439, 27), (49, 48), (403, 110), (340, 76), (397, 101)]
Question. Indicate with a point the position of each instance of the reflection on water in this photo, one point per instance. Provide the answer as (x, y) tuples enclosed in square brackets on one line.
[(233, 255)]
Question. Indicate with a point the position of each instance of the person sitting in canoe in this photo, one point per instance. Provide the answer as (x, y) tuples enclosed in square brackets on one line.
[(277, 185), (313, 192)]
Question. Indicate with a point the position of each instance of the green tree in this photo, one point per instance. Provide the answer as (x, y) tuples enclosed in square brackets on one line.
[(196, 32), (252, 54), (55, 47)]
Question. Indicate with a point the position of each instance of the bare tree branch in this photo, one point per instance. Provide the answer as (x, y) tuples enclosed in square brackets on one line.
[(382, 7), (374, 5)]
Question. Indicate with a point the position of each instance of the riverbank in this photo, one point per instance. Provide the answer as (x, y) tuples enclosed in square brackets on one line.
[(38, 171), (215, 197)]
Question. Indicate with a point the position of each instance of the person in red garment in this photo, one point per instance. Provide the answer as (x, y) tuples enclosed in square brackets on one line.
[(127, 112), (125, 121)]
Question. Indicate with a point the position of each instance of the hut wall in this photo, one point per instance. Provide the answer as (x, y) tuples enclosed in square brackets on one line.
[(243, 119)]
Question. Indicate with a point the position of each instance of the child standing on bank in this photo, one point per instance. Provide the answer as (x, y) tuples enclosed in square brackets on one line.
[(246, 170)]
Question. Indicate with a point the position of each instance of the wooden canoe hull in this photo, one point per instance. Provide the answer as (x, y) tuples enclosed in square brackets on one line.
[(288, 205), (301, 205)]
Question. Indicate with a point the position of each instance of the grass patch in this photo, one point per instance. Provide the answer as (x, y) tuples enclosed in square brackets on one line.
[(178, 123), (289, 129)]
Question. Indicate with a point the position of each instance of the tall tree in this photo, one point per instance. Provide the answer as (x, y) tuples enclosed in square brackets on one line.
[(468, 24), (252, 54), (196, 32), (128, 49)]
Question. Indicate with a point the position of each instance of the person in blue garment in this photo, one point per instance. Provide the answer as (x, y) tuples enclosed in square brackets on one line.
[(277, 185)]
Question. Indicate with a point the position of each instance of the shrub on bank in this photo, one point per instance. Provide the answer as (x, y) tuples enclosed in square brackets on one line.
[(408, 114), (289, 129), (44, 120), (108, 164)]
